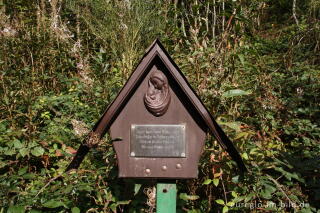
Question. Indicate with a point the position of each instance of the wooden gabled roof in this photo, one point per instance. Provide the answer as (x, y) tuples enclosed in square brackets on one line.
[(156, 50)]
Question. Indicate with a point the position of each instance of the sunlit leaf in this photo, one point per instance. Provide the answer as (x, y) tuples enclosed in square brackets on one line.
[(230, 204), (206, 182), (123, 202), (17, 144), (234, 93), (187, 197), (225, 209), (216, 181), (37, 151), (234, 194), (137, 188), (24, 151), (75, 210), (245, 156), (219, 201)]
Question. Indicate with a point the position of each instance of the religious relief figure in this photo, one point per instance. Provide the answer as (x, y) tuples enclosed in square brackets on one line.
[(157, 98)]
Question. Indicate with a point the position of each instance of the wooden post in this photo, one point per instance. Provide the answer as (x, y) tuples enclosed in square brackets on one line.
[(166, 197)]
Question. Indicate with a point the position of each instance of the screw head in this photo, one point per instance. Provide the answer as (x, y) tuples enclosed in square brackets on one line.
[(132, 154), (148, 171), (178, 166), (164, 168), (183, 154)]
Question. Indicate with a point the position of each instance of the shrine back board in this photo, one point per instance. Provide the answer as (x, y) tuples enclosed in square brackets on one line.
[(158, 122)]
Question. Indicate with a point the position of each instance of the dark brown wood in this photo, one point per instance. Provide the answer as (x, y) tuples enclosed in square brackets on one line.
[(177, 114), (184, 108)]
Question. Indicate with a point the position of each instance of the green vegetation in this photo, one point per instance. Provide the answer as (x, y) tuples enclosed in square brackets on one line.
[(255, 64)]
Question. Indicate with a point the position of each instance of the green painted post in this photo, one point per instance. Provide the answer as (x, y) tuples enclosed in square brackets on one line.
[(166, 197)]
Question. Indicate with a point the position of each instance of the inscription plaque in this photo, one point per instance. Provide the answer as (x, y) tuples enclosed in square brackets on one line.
[(158, 141)]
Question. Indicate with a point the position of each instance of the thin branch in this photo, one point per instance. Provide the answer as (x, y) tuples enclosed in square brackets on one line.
[(207, 17), (224, 190), (223, 16), (294, 3), (279, 186), (214, 23), (50, 181), (182, 19)]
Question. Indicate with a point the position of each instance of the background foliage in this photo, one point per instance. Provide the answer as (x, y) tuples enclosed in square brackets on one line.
[(255, 64)]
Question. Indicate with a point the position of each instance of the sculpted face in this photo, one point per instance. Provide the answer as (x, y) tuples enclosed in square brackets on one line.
[(157, 97)]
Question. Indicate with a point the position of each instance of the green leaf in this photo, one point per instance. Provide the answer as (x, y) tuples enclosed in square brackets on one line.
[(266, 195), (75, 210), (34, 211), (241, 135), (22, 170), (29, 176), (207, 182), (232, 125), (235, 179), (17, 144), (37, 151), (186, 197), (24, 151), (234, 93), (234, 194), (267, 191), (68, 189), (249, 197), (10, 152), (241, 57), (53, 204), (123, 202), (113, 207), (230, 204), (216, 181), (245, 156), (16, 209), (225, 209), (219, 201), (137, 188), (238, 199)]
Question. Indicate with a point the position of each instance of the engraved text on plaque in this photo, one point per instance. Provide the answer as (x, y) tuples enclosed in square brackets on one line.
[(157, 141)]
